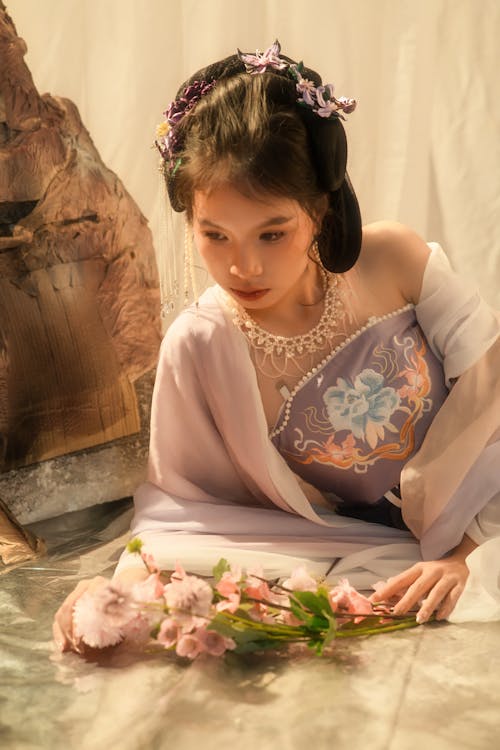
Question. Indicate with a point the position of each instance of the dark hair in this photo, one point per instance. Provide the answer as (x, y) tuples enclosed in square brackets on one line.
[(249, 130)]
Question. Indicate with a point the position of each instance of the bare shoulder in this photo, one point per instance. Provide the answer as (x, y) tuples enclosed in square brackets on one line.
[(395, 253)]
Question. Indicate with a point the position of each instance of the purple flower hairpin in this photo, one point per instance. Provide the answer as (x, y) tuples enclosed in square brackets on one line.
[(261, 61), (320, 98), (166, 139)]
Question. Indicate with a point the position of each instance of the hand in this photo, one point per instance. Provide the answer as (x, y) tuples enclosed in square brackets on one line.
[(62, 627), (435, 585)]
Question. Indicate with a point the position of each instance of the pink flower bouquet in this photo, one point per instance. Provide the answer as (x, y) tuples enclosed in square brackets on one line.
[(237, 611)]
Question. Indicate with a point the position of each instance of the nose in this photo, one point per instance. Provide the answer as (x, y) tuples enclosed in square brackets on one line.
[(246, 263)]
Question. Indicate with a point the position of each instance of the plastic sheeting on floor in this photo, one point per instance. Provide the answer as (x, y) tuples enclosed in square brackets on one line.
[(364, 696)]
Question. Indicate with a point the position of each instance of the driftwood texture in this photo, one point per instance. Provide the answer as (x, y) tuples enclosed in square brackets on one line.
[(79, 299)]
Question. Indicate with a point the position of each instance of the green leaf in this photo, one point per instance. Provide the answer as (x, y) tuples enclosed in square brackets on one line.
[(316, 603), (155, 630), (317, 646), (135, 546), (177, 164), (221, 626), (322, 594), (331, 633), (260, 645), (299, 611), (247, 639), (221, 568), (318, 623)]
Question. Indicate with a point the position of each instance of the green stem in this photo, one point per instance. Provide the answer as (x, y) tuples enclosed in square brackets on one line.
[(266, 627), (353, 632)]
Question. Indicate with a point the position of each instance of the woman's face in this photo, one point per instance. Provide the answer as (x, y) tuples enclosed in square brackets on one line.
[(257, 250)]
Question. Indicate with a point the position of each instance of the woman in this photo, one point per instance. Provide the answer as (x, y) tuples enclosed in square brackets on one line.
[(311, 386)]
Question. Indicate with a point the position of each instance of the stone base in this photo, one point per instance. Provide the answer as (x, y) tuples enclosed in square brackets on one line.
[(80, 480)]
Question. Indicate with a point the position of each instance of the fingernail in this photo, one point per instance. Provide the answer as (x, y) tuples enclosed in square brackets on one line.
[(421, 618)]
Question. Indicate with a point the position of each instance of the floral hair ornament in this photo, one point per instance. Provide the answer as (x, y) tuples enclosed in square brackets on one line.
[(261, 61), (320, 99), (166, 139)]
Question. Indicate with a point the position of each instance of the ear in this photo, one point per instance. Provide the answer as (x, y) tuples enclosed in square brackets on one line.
[(319, 213)]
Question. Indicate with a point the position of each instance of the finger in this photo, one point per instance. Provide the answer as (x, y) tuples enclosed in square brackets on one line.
[(415, 593), (396, 585), (442, 598), (449, 602), (434, 598), (392, 588)]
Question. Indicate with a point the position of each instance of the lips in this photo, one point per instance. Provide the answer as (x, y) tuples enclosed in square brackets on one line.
[(250, 294)]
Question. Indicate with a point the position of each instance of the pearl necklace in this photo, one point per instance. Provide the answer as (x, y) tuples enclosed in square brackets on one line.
[(292, 347)]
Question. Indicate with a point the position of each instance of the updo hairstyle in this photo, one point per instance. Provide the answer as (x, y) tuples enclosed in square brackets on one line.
[(249, 130)]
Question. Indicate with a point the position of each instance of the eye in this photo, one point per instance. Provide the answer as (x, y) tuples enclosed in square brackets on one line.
[(272, 236), (214, 236)]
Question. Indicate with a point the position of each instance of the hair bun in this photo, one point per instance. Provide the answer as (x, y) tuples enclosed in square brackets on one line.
[(328, 148)]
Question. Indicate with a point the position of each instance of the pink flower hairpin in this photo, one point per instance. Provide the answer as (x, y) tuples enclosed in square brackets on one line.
[(261, 61), (320, 99)]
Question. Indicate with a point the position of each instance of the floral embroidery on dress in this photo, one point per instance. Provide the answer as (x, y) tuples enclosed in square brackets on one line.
[(371, 415), (364, 407)]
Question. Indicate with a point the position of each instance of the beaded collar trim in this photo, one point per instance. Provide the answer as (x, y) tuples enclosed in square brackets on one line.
[(291, 347), (318, 99)]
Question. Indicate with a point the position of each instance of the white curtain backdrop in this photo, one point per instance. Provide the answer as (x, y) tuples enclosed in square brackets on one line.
[(424, 141)]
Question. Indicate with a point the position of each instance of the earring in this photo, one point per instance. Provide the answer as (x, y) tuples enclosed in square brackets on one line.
[(166, 255), (175, 256), (190, 286), (314, 250)]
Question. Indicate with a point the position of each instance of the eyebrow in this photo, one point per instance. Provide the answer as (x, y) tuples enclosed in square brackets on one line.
[(273, 221)]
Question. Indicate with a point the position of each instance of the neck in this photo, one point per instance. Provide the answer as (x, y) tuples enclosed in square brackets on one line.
[(300, 309)]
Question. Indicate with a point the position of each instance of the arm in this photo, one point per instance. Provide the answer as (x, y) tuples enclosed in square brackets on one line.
[(460, 451), (439, 484)]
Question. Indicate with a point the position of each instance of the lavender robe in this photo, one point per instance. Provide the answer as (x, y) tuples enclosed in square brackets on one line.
[(214, 475)]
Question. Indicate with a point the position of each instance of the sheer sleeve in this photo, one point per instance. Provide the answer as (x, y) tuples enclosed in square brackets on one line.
[(454, 475), (458, 324), (486, 524)]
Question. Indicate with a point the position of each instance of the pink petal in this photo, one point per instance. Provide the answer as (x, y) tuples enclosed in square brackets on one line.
[(189, 646)]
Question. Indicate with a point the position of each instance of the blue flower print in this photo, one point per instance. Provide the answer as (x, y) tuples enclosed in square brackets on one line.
[(364, 407)]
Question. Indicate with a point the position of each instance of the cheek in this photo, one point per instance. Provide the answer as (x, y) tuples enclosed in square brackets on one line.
[(213, 258), (294, 257), (201, 245)]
